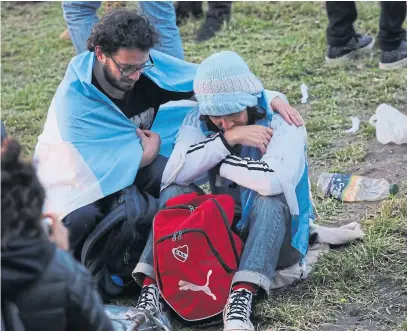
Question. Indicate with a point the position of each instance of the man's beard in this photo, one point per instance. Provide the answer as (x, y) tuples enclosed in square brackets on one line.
[(119, 84)]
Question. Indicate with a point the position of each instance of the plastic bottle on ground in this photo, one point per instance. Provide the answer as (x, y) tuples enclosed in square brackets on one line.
[(348, 187)]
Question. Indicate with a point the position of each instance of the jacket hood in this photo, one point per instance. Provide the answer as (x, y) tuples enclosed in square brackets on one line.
[(23, 263)]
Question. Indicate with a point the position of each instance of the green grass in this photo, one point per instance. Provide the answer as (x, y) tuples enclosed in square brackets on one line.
[(284, 44), (352, 153)]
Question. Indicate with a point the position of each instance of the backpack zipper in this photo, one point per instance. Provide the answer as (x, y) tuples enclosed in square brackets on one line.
[(191, 208), (177, 235), (126, 255)]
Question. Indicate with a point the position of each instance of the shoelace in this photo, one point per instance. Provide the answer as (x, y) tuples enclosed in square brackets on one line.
[(239, 306), (148, 297)]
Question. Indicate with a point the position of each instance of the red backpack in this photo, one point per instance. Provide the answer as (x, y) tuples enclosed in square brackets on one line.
[(196, 254)]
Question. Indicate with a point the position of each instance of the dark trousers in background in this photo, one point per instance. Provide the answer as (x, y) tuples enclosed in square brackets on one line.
[(215, 8), (342, 15), (219, 8)]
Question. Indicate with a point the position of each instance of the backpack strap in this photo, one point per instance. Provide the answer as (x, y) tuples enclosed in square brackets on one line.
[(10, 316), (97, 265), (107, 223), (229, 230), (242, 225)]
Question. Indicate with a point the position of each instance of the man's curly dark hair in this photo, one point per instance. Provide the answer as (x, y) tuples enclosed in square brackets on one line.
[(122, 28), (22, 196)]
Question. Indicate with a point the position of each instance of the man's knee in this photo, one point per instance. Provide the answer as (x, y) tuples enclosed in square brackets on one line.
[(81, 222), (148, 179)]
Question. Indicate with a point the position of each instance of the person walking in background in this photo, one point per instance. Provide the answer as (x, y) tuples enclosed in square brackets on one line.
[(80, 16), (344, 42), (218, 13), (109, 5), (161, 14)]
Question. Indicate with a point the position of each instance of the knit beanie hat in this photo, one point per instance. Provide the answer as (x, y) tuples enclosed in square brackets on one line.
[(225, 85)]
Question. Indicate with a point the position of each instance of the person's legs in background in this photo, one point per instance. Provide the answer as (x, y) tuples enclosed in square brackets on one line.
[(343, 41), (218, 13), (162, 15), (268, 246), (186, 9), (80, 17), (341, 16), (392, 36)]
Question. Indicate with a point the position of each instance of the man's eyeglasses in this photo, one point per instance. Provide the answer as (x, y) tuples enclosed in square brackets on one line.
[(131, 70)]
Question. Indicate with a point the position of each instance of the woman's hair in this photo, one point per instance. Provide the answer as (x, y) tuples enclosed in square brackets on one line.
[(22, 195), (122, 28), (253, 113)]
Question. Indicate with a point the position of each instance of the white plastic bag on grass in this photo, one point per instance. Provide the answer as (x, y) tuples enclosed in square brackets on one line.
[(391, 125)]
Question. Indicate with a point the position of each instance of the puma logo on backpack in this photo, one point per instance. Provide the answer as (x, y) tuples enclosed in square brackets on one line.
[(184, 286)]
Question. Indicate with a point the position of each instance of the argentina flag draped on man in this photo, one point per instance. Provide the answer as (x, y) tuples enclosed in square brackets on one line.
[(89, 148)]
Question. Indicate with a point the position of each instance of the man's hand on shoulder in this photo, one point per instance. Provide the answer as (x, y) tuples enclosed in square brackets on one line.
[(151, 143), (290, 115)]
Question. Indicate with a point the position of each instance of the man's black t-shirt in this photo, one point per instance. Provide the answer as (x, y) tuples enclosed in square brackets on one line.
[(141, 104)]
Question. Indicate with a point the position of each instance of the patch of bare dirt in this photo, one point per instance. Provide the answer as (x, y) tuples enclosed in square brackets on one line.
[(381, 161), (387, 310)]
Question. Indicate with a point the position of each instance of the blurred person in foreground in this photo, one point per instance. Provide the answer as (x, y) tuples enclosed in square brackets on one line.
[(42, 286)]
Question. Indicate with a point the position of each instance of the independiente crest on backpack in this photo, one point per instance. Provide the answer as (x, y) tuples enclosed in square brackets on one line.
[(180, 253)]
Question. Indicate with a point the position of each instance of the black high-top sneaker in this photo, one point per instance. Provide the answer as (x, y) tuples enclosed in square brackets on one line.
[(396, 59), (357, 45)]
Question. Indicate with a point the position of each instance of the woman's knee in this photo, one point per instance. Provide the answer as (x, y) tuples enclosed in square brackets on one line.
[(175, 190), (270, 204)]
